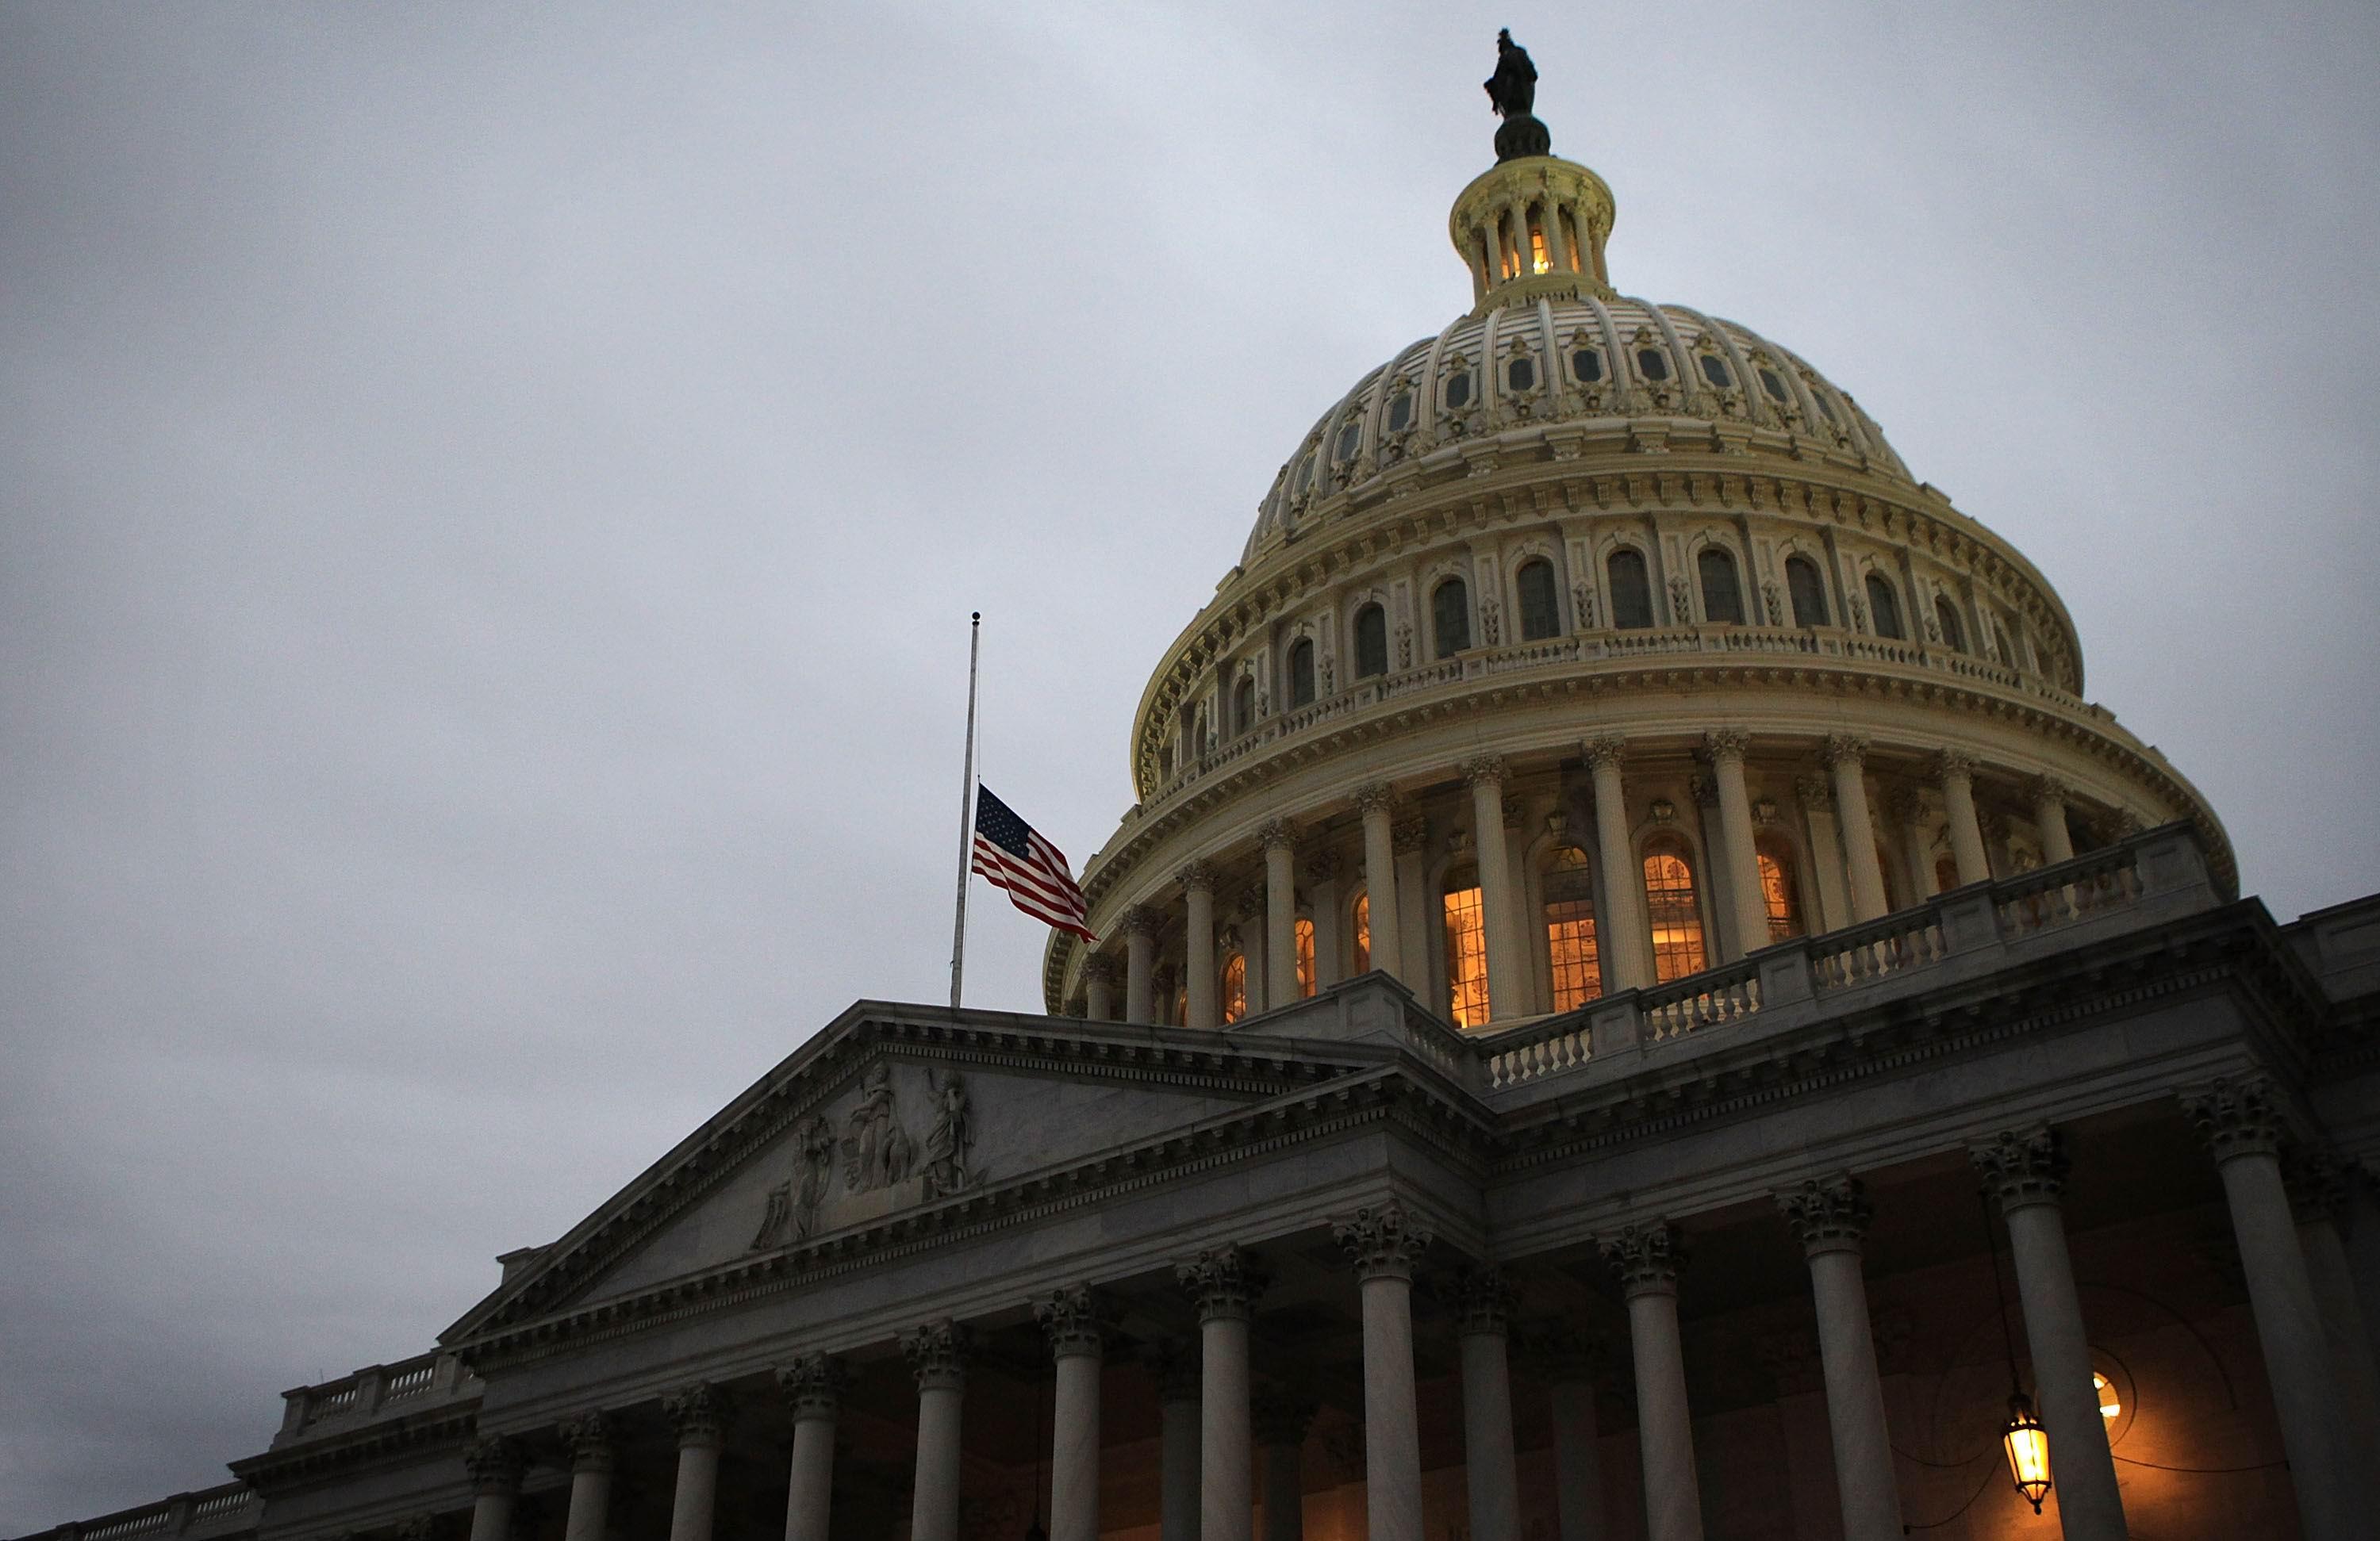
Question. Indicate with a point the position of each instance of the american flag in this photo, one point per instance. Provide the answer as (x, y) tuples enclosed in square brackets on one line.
[(1014, 857)]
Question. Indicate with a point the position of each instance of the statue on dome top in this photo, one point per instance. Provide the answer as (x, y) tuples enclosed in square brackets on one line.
[(1513, 90)]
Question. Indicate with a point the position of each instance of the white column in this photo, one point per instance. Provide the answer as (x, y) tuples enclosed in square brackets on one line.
[(1098, 988), (1628, 952), (1830, 1218), (813, 1388), (1646, 1257), (1573, 1370), (1384, 1243), (1177, 1407), (1727, 750), (495, 1467), (1140, 925), (1492, 1469), (2318, 1195), (1955, 773), (1381, 880), (1280, 1426), (696, 1413), (2049, 820), (1279, 841), (937, 1355), (1816, 799), (2027, 1172), (1225, 1284), (1075, 1320), (1199, 890), (1497, 902), (2242, 1124), (588, 1439), (1846, 759)]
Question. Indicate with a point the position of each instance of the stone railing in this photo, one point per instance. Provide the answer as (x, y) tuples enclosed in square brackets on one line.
[(230, 1510), (1619, 648), (374, 1391), (2140, 883)]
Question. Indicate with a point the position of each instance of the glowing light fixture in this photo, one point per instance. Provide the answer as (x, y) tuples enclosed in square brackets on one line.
[(2026, 1442), (2110, 1405)]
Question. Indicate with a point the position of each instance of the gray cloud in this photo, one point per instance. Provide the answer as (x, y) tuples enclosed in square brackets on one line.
[(490, 505)]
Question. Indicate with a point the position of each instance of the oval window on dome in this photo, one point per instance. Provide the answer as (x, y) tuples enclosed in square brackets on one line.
[(1652, 364), (1587, 364), (1400, 411), (1520, 374), (1774, 387), (1715, 370), (1458, 390), (1349, 437)]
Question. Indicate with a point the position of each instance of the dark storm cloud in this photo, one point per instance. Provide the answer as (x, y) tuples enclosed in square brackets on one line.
[(492, 501)]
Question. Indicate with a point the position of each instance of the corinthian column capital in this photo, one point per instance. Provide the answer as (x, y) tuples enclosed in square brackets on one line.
[(1223, 1282), (1813, 792), (1099, 967), (495, 1464), (1953, 763), (2022, 1167), (2046, 789), (1141, 919), (1381, 1241), (1278, 832), (1843, 749), (697, 1412), (1603, 753), (937, 1352), (1484, 1303), (1196, 875), (1646, 1257), (1375, 798), (1076, 1319), (1409, 834), (1828, 1214), (812, 1386), (1484, 767), (2237, 1116), (589, 1438), (1726, 744)]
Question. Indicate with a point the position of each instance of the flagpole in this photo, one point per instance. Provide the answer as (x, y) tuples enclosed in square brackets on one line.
[(966, 814)]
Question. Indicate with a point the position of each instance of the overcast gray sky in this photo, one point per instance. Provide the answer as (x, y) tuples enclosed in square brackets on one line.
[(490, 503)]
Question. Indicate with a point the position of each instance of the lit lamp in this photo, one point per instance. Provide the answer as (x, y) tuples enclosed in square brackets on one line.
[(2110, 1405), (2026, 1441), (2027, 1444)]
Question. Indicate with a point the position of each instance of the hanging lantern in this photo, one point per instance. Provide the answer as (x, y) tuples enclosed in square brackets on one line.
[(2028, 1450)]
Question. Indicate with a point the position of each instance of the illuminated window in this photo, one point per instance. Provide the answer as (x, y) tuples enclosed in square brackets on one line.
[(2111, 1405), (1653, 364), (1569, 928), (1779, 895), (1363, 933), (1722, 596), (1571, 242), (1715, 370), (1244, 706), (1631, 589), (1449, 617), (1181, 1004), (1954, 631), (1235, 987), (1540, 609), (1371, 641), (1809, 591), (1466, 951), (1540, 260), (1305, 956), (1671, 905), (1884, 606), (1301, 672)]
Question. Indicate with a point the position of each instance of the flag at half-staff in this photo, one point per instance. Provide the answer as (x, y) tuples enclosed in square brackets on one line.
[(1013, 856)]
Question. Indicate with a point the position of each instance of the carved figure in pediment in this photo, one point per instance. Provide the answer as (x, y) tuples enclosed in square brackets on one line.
[(876, 1150), (948, 1141), (792, 1213)]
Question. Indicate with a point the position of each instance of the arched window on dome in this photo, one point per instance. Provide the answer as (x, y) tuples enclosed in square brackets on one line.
[(1631, 589), (1449, 618), (1400, 409), (1674, 909), (1244, 706), (1301, 672), (1884, 607), (1466, 948), (1304, 938), (1235, 994), (1521, 374), (1457, 393), (1350, 437), (1715, 370), (1722, 596), (1371, 641), (1653, 364), (1540, 603), (1569, 928), (1954, 631), (1362, 931), (1780, 895), (1586, 362), (1808, 590)]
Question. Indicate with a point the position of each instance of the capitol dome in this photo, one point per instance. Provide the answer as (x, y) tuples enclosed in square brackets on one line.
[(1589, 644)]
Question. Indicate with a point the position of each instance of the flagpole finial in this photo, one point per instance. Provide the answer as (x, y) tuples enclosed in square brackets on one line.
[(978, 617)]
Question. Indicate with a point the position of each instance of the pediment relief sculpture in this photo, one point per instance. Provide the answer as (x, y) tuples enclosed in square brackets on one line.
[(880, 1164)]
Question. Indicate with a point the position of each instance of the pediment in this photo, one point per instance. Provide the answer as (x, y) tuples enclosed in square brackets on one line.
[(889, 1110)]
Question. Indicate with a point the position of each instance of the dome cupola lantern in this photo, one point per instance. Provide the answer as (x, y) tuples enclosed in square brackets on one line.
[(1533, 224)]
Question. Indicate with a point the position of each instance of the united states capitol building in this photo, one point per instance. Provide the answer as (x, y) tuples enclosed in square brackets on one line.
[(1618, 864)]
